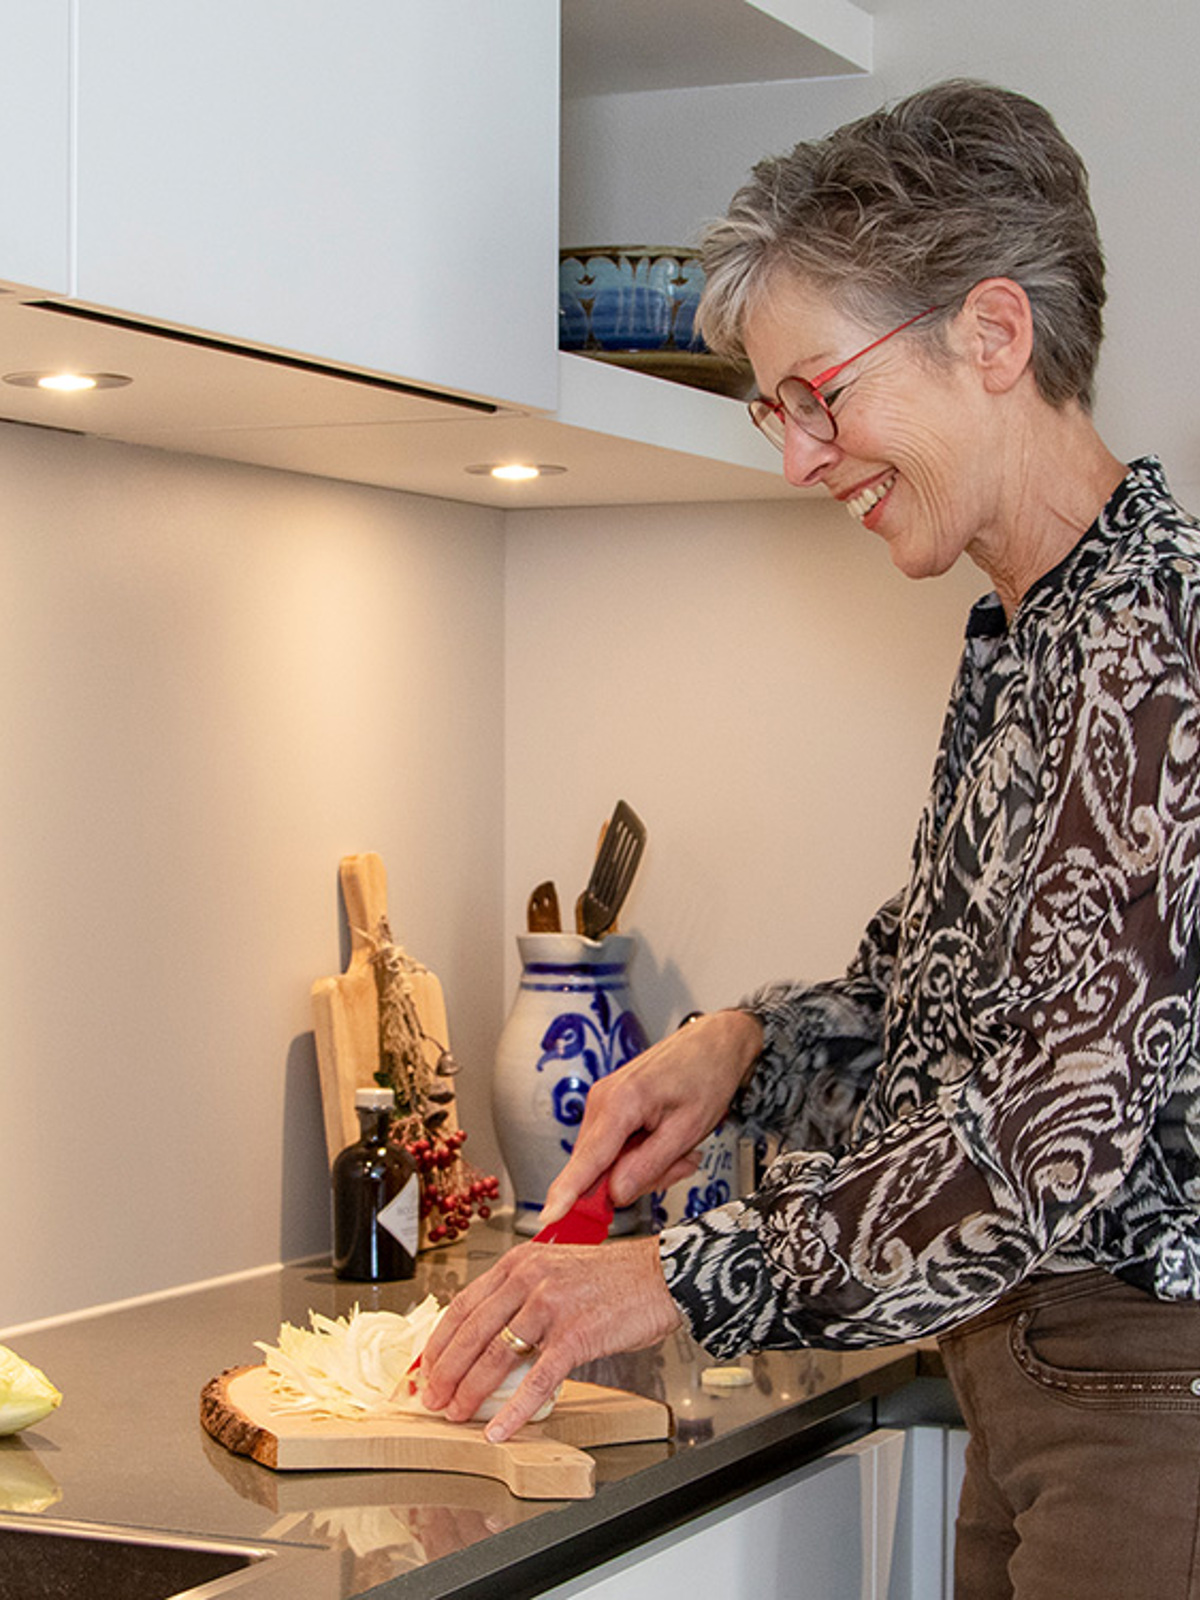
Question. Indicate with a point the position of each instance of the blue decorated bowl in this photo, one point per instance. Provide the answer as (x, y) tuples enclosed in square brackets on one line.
[(629, 297)]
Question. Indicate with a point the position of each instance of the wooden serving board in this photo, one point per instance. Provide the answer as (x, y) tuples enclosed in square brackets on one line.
[(545, 1461), (345, 1011)]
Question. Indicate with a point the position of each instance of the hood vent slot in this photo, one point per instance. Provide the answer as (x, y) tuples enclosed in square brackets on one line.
[(296, 363)]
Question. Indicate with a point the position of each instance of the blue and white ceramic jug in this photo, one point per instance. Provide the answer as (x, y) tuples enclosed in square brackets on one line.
[(714, 1181), (572, 1023)]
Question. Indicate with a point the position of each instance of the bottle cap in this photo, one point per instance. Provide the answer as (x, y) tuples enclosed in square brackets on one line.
[(374, 1099)]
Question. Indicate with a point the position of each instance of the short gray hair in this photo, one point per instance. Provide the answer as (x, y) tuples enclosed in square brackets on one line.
[(912, 206)]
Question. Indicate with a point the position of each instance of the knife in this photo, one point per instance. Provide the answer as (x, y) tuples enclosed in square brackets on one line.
[(587, 1222)]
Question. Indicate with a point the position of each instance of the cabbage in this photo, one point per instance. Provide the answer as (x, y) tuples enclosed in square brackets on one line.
[(26, 1395)]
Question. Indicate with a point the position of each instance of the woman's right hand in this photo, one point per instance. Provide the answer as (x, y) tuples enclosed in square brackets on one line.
[(642, 1123)]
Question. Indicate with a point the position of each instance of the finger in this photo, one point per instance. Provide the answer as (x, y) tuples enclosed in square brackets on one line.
[(463, 1382), (685, 1167), (464, 1304), (590, 1160), (493, 1368), (652, 1163), (466, 1331), (537, 1388)]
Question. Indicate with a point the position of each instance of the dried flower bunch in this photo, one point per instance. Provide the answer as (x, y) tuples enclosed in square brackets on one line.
[(452, 1190)]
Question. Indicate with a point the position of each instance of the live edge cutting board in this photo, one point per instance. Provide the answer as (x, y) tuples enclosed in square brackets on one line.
[(545, 1461)]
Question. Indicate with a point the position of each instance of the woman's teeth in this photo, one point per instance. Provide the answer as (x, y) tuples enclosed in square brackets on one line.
[(869, 497)]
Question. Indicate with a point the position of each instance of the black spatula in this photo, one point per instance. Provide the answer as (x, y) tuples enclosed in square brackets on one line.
[(616, 863)]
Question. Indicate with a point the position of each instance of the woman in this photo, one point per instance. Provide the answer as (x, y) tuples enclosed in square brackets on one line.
[(993, 1121)]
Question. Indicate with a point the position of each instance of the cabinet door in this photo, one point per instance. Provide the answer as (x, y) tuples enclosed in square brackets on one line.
[(373, 183), (922, 1564), (956, 1466), (822, 1533), (35, 81)]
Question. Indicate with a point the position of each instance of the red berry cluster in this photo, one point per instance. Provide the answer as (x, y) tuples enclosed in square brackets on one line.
[(452, 1191)]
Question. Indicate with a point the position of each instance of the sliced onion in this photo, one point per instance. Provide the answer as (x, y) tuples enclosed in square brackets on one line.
[(360, 1366)]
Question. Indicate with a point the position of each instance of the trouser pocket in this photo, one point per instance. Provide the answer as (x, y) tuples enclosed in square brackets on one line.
[(1115, 1356)]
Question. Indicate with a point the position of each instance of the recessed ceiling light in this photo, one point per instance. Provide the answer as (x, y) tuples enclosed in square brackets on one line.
[(515, 471), (67, 382)]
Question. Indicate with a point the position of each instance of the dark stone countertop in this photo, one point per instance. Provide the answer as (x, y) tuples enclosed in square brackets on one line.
[(126, 1445)]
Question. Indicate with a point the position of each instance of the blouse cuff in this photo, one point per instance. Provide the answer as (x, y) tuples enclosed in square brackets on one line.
[(717, 1274)]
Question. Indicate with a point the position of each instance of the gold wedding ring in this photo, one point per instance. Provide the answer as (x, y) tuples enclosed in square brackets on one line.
[(514, 1341)]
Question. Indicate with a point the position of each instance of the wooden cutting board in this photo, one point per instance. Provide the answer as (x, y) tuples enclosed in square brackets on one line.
[(545, 1461), (345, 1012)]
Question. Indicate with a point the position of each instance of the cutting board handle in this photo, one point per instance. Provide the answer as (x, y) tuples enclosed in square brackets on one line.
[(364, 893)]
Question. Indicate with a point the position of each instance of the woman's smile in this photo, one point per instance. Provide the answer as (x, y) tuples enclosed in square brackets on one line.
[(861, 503)]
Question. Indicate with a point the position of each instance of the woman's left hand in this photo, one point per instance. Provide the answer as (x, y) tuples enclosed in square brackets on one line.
[(573, 1302)]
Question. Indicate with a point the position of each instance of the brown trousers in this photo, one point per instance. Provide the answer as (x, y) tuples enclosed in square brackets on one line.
[(1082, 1396)]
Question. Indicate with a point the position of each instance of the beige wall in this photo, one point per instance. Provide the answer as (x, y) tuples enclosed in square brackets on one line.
[(766, 691), (217, 680), (214, 682)]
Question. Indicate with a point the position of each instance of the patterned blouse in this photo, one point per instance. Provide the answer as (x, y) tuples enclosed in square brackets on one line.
[(1008, 1076)]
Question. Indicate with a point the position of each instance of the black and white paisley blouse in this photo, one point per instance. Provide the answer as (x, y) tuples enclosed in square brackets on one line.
[(1008, 1077)]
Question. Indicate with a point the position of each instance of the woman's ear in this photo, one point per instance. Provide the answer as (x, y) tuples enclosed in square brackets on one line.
[(997, 321)]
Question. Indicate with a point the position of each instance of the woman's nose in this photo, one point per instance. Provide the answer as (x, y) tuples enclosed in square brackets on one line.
[(806, 459)]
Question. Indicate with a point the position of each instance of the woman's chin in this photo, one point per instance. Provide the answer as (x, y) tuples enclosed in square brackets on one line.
[(917, 560)]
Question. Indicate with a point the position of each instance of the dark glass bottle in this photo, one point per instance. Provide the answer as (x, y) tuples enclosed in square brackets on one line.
[(376, 1199)]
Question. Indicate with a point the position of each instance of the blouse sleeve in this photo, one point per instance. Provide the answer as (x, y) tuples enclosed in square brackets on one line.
[(1072, 960), (822, 1044)]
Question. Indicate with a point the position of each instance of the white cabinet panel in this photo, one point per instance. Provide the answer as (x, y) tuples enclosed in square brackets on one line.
[(373, 183), (922, 1566), (822, 1533), (35, 83), (956, 1465)]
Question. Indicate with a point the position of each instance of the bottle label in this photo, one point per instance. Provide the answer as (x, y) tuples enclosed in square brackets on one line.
[(401, 1216)]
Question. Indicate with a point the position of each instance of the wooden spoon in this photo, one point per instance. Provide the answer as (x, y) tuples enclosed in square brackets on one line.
[(543, 915)]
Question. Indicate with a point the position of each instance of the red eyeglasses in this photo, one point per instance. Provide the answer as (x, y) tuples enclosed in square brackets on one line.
[(800, 400)]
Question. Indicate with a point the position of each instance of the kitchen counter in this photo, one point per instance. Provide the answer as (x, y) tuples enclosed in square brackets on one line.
[(126, 1445)]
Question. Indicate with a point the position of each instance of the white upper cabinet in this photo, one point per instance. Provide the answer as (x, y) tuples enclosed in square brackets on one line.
[(373, 184), (632, 46), (323, 235), (35, 87)]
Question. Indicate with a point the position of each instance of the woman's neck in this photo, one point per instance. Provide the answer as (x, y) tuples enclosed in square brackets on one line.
[(1060, 476)]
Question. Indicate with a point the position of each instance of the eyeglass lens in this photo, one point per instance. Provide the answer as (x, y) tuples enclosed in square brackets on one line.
[(801, 400), (801, 404)]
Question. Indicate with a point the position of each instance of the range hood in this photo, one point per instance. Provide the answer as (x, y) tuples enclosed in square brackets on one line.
[(623, 438)]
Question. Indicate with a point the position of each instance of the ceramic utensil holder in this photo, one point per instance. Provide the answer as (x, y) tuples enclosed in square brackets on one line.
[(572, 1023), (713, 1183)]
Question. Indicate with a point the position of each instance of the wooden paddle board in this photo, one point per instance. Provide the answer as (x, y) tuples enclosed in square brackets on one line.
[(346, 1008), (545, 1461), (345, 1013)]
